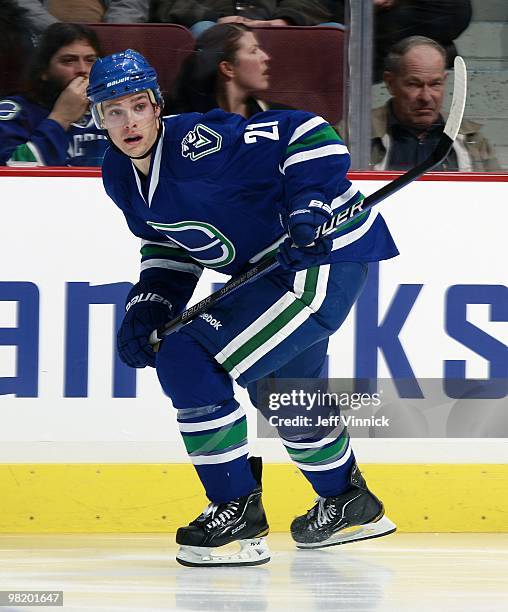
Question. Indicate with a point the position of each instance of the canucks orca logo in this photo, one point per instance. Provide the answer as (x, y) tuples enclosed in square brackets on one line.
[(86, 121), (201, 141), (8, 109), (204, 242)]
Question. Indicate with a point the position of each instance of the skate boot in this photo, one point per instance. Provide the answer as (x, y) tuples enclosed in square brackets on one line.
[(241, 522), (354, 515)]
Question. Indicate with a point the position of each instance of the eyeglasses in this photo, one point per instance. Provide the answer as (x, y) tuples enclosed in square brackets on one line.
[(139, 114)]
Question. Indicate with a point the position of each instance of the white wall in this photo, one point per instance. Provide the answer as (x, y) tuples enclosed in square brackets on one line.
[(59, 230)]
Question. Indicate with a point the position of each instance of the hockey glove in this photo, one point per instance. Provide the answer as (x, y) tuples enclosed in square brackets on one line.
[(300, 251), (146, 309)]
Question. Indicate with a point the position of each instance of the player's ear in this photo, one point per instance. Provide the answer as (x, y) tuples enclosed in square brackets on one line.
[(158, 111), (226, 69)]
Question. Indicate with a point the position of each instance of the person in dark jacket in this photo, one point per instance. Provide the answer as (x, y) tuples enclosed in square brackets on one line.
[(226, 69), (441, 20), (43, 13), (200, 15), (16, 46)]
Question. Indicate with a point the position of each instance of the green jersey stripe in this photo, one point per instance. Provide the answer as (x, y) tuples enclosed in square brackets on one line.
[(276, 308), (280, 321), (323, 467), (347, 226), (147, 251), (325, 134), (317, 456), (221, 457), (217, 440), (24, 153), (343, 240)]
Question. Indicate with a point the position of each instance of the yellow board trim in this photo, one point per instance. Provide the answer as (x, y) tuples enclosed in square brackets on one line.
[(128, 498)]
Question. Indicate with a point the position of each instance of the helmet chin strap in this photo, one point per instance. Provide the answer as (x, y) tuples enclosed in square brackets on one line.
[(145, 155)]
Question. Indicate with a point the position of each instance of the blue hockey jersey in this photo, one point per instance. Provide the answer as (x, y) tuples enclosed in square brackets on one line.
[(220, 187), (27, 135)]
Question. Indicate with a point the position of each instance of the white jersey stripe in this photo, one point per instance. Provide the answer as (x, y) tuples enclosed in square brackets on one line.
[(314, 154), (215, 424), (156, 166), (305, 127), (269, 248), (355, 234), (292, 325), (265, 319), (36, 153), (222, 458), (168, 243), (344, 198), (289, 328), (307, 445), (327, 466), (171, 265)]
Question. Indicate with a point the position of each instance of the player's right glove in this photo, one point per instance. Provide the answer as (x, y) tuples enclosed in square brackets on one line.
[(147, 308)]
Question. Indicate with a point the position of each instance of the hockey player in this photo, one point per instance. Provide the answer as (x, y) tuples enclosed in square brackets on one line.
[(50, 124), (220, 191)]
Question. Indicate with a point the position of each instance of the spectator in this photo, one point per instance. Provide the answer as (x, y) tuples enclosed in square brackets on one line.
[(198, 16), (15, 46), (49, 124), (43, 13), (225, 70), (441, 20), (394, 20), (407, 128)]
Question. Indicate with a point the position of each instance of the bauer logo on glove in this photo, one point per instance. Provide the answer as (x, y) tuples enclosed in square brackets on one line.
[(146, 310), (148, 297), (300, 250)]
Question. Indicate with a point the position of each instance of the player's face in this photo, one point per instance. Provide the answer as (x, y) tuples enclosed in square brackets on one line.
[(70, 62), (251, 65), (131, 122), (418, 89)]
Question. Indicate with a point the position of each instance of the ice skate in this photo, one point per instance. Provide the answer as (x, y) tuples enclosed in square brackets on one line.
[(354, 515), (228, 534)]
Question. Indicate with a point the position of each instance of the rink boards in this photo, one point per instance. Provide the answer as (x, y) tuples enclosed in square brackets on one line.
[(87, 445)]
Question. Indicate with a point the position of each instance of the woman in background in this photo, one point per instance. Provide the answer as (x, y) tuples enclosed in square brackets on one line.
[(226, 70)]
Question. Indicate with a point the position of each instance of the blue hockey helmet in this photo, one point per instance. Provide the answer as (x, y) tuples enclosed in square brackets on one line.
[(120, 74)]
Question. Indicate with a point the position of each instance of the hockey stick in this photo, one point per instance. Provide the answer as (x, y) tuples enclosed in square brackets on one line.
[(439, 154)]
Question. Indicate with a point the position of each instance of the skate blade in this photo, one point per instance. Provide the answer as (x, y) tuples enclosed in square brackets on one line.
[(253, 551), (354, 534)]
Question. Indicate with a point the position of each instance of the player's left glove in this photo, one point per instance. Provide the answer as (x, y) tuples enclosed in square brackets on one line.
[(300, 251), (147, 308)]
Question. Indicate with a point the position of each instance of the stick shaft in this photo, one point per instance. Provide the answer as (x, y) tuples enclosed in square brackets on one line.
[(344, 216)]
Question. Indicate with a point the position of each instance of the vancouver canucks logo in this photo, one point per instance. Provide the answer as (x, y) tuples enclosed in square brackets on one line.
[(85, 121), (201, 141), (9, 109), (203, 241)]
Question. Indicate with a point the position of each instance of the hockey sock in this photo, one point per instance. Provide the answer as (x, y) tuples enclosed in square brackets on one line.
[(326, 463), (216, 440)]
